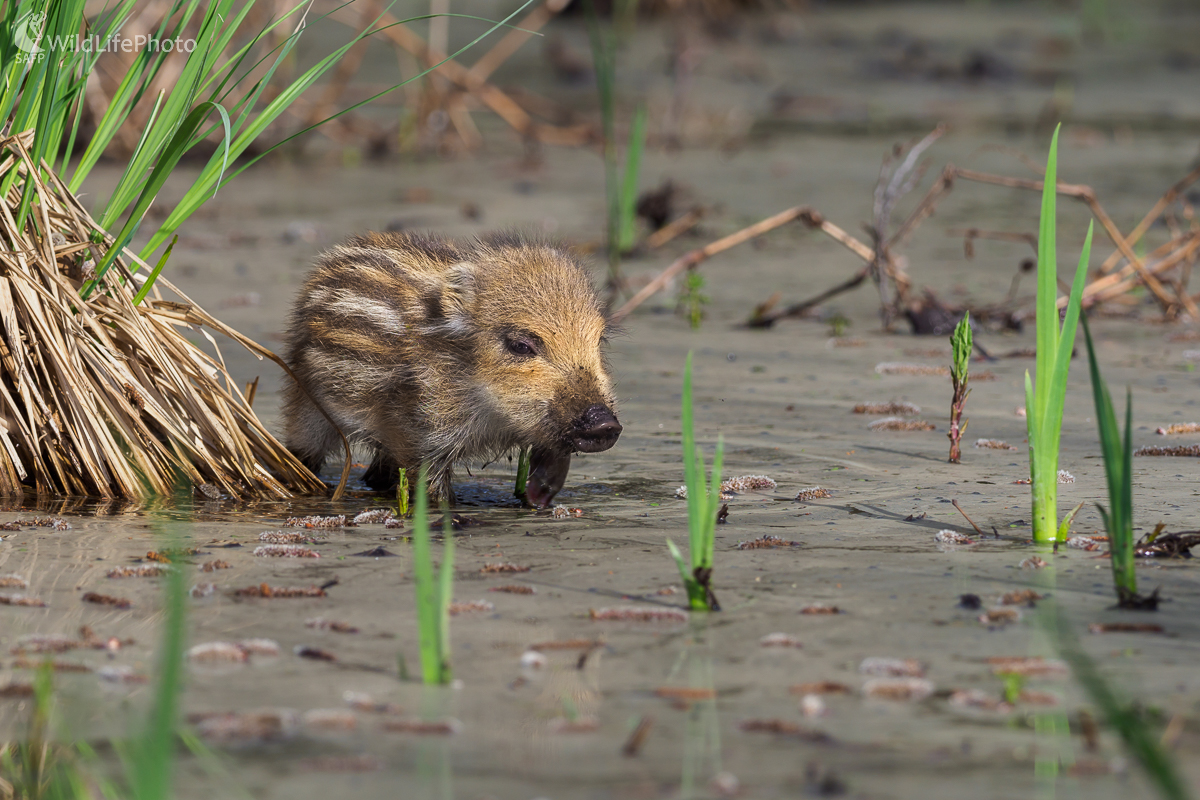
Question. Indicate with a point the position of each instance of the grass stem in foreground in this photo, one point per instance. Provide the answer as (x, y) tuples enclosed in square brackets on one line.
[(961, 343), (433, 592)]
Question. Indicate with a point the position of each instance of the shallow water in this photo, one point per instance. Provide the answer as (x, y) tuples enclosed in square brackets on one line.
[(782, 399)]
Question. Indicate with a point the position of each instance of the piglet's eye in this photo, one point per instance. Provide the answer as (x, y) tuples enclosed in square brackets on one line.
[(520, 347)]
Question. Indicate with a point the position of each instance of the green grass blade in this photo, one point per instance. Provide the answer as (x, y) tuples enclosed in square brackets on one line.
[(627, 210), (1047, 282), (704, 558), (445, 596), (158, 268)]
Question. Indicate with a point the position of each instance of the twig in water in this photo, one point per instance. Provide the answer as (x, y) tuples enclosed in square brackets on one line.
[(973, 525)]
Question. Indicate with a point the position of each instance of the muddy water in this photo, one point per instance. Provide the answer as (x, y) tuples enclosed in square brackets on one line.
[(783, 401)]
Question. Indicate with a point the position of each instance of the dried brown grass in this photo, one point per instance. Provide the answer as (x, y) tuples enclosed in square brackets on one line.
[(105, 398)]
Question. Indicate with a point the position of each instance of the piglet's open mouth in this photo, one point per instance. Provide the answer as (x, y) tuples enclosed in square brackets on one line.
[(547, 473)]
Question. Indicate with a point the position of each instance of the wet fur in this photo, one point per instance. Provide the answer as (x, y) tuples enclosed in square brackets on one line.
[(402, 339)]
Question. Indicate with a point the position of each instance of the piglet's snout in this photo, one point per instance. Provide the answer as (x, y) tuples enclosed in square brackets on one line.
[(596, 429)]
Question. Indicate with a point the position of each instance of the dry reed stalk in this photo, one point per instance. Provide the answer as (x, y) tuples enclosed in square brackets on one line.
[(105, 398)]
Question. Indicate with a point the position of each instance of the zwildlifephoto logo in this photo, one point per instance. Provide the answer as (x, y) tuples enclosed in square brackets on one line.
[(29, 37)]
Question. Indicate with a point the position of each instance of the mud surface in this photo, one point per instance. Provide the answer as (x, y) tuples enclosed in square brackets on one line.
[(555, 725)]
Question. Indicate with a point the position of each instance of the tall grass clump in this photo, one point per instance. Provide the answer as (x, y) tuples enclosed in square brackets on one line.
[(434, 591), (109, 398), (1118, 468), (704, 500), (1046, 395)]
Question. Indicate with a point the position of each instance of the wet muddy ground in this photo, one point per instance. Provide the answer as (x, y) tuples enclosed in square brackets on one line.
[(550, 698)]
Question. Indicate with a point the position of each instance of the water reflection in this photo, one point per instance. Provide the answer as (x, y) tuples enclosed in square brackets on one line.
[(702, 734)]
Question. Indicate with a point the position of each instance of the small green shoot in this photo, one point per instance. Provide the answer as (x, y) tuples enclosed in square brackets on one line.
[(703, 499), (1044, 407), (522, 473), (1118, 467), (402, 493), (433, 592), (692, 299), (961, 342), (1014, 684)]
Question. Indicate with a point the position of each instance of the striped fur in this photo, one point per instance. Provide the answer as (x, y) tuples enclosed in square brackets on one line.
[(407, 343)]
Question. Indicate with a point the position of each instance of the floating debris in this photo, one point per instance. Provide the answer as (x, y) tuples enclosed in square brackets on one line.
[(213, 566), (140, 571), (46, 643), (532, 659), (322, 624), (1020, 597), (1033, 562), (562, 512), (470, 606), (638, 614), (218, 653), (505, 566), (340, 764), (446, 727), (513, 588), (950, 537), (748, 483), (812, 493), (107, 600), (16, 689), (203, 590), (394, 522), (285, 551), (972, 602), (1000, 616), (891, 408), (738, 485), (820, 687), (637, 738), (265, 590), (901, 424), (57, 523), (993, 444), (977, 698), (171, 554), (251, 727), (781, 727), (765, 542), (1157, 544), (1125, 627), (286, 537), (819, 608), (811, 705), (1188, 451), (315, 653), (1179, 428), (1086, 542), (329, 719), (337, 521), (1065, 477), (374, 516), (13, 581), (780, 640), (902, 368), (21, 600), (1034, 697), (121, 673), (1028, 666), (892, 667), (260, 647), (898, 689), (361, 701)]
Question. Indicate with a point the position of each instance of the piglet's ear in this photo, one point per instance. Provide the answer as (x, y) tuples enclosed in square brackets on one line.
[(449, 303)]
